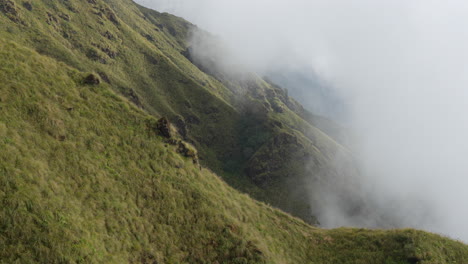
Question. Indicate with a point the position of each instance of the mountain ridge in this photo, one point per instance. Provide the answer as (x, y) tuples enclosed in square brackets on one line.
[(87, 178)]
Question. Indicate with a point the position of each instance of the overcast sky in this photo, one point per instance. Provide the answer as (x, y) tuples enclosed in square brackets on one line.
[(402, 66)]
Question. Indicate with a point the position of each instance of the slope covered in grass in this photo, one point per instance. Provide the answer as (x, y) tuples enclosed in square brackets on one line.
[(145, 56), (85, 178)]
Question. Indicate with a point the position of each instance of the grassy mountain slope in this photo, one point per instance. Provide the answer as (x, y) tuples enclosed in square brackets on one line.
[(142, 55), (85, 178)]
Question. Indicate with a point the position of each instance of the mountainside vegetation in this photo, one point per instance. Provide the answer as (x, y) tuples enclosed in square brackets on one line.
[(144, 56), (112, 137)]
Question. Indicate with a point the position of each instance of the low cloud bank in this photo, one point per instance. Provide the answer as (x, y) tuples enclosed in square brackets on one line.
[(401, 68)]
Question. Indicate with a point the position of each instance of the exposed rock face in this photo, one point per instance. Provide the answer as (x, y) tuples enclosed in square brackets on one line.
[(164, 127), (92, 79), (187, 151), (277, 107), (10, 9)]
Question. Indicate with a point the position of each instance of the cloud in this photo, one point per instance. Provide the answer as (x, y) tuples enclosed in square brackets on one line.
[(402, 67)]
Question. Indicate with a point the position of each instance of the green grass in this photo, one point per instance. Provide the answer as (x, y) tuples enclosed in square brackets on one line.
[(84, 179), (139, 52)]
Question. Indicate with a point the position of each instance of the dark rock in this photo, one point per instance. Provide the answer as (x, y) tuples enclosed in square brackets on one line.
[(106, 13), (66, 35), (151, 58), (104, 77), (147, 258), (10, 10), (181, 126), (111, 53), (69, 6), (28, 6), (277, 107), (64, 16), (51, 19), (161, 26), (164, 127), (189, 152), (111, 16), (414, 260), (134, 98), (92, 79), (109, 35), (270, 94)]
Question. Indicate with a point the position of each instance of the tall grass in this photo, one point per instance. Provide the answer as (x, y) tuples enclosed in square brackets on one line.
[(83, 179)]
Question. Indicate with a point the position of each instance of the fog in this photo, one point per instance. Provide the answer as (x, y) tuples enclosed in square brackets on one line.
[(401, 69)]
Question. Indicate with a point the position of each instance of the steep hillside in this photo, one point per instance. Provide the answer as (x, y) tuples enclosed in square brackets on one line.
[(87, 177), (250, 132)]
